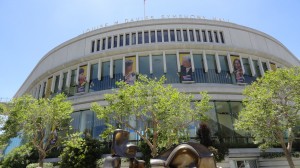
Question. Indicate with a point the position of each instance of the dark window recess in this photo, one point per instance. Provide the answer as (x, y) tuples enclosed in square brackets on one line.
[(159, 36), (127, 39), (109, 43), (146, 37), (210, 36), (152, 36), (172, 35), (115, 41), (178, 33), (140, 38), (198, 35), (204, 36), (121, 41), (98, 45), (216, 37), (103, 43), (93, 46), (133, 38), (185, 35), (166, 36), (222, 38), (191, 32)]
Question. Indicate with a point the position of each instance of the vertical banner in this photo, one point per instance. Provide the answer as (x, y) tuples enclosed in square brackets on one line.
[(237, 69), (48, 88), (82, 79), (130, 70), (273, 66), (185, 67)]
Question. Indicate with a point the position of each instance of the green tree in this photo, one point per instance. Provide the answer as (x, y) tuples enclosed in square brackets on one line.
[(43, 122), (271, 110), (161, 110)]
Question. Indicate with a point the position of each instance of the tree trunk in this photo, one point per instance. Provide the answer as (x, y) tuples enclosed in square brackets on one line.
[(41, 158), (287, 153)]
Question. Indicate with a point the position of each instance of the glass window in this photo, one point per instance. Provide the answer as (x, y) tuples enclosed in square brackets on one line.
[(246, 66), (109, 43), (216, 37), (93, 46), (198, 61), (157, 66), (212, 120), (256, 68), (265, 67), (115, 41), (40, 87), (236, 107), (210, 36), (73, 82), (152, 36), (140, 38), (222, 38), (99, 127), (103, 43), (44, 89), (198, 35), (223, 63), (185, 35), (121, 40), (172, 35), (105, 68), (225, 122), (144, 67), (56, 84), (98, 45), (178, 34), (86, 123), (191, 32), (75, 123), (65, 75), (159, 36), (94, 71), (211, 61), (127, 39), (133, 38), (146, 36), (204, 36), (118, 66), (172, 69), (166, 36)]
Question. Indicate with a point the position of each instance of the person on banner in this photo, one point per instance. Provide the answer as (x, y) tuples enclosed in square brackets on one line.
[(186, 69), (238, 71), (130, 76), (81, 81)]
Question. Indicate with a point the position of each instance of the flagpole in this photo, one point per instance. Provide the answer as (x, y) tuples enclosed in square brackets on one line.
[(144, 9)]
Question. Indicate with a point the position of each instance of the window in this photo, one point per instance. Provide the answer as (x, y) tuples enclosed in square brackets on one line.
[(159, 36), (86, 123), (121, 40), (191, 32), (115, 41), (105, 69), (109, 43), (224, 63), (94, 78), (198, 61), (204, 36), (265, 67), (40, 87), (256, 68), (166, 36), (118, 67), (246, 65), (146, 36), (222, 38), (73, 82), (127, 39), (157, 66), (198, 35), (185, 35), (178, 34), (65, 75), (172, 69), (93, 46), (144, 67), (225, 121), (216, 37), (44, 89), (98, 45), (211, 62), (75, 123), (172, 35), (133, 38), (210, 36), (103, 43), (140, 38), (152, 36)]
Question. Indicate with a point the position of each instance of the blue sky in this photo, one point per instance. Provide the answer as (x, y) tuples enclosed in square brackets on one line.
[(31, 28)]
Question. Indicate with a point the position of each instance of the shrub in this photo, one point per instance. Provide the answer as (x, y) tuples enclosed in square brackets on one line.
[(20, 157), (80, 152), (35, 165)]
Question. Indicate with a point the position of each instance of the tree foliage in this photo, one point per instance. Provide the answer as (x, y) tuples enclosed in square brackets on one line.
[(158, 109), (42, 122), (271, 110)]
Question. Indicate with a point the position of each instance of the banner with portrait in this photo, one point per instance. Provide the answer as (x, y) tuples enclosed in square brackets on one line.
[(185, 67), (237, 69), (130, 70), (48, 88), (82, 79), (273, 66)]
